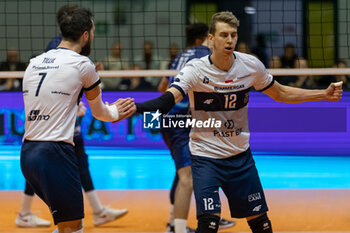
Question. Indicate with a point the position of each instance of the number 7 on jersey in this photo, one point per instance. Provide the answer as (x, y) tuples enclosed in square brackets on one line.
[(43, 75)]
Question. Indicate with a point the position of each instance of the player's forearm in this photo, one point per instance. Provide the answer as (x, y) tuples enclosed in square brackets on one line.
[(102, 111), (299, 95), (164, 104)]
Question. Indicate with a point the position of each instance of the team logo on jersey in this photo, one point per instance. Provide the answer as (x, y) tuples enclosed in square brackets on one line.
[(152, 120), (208, 101), (205, 80), (35, 116)]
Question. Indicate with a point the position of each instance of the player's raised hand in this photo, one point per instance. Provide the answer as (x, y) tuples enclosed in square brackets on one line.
[(126, 107), (81, 109), (335, 91)]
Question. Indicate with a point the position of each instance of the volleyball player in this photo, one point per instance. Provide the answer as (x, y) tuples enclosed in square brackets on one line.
[(101, 214), (177, 139), (218, 88), (52, 86)]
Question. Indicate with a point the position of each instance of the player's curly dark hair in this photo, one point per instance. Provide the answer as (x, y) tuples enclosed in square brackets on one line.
[(74, 21)]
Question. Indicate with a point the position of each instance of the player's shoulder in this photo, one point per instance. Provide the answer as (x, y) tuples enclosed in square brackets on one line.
[(245, 57), (77, 58), (249, 60)]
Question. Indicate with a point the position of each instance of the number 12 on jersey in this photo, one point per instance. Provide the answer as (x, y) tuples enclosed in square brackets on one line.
[(230, 101)]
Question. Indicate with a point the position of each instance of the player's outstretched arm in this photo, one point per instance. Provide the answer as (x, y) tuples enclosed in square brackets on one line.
[(287, 94), (108, 112), (164, 103), (126, 107)]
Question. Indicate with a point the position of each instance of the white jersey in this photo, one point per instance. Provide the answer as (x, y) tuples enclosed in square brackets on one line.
[(52, 86), (221, 96)]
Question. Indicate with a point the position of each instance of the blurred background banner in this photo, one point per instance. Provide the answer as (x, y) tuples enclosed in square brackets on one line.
[(319, 128), (318, 29)]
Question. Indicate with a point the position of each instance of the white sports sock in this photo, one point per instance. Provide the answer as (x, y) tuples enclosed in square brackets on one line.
[(94, 202), (26, 206), (171, 215), (55, 231), (180, 225)]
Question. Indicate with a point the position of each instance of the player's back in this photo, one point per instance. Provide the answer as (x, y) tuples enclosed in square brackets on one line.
[(52, 84)]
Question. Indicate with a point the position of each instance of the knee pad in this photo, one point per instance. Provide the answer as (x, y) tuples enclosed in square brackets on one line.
[(260, 224), (208, 223)]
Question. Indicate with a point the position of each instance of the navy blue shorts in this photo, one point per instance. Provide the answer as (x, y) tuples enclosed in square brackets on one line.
[(177, 141), (52, 171), (239, 180)]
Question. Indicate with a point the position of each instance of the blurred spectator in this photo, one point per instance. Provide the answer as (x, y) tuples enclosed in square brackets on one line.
[(12, 63), (303, 81), (324, 81), (135, 83), (288, 60), (260, 50), (173, 51), (149, 61), (295, 81), (243, 47), (275, 62), (344, 78), (114, 62), (289, 56)]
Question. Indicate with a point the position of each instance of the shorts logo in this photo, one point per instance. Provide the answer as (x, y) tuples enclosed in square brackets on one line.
[(151, 120), (254, 197), (257, 208), (34, 116)]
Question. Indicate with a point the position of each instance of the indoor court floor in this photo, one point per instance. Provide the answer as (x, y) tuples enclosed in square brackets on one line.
[(304, 193)]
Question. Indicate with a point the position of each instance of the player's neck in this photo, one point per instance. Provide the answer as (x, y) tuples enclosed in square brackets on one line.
[(222, 61), (70, 45)]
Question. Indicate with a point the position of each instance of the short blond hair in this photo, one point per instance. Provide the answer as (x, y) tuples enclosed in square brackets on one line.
[(223, 16)]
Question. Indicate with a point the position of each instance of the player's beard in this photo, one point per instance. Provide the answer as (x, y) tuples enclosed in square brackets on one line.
[(85, 51)]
